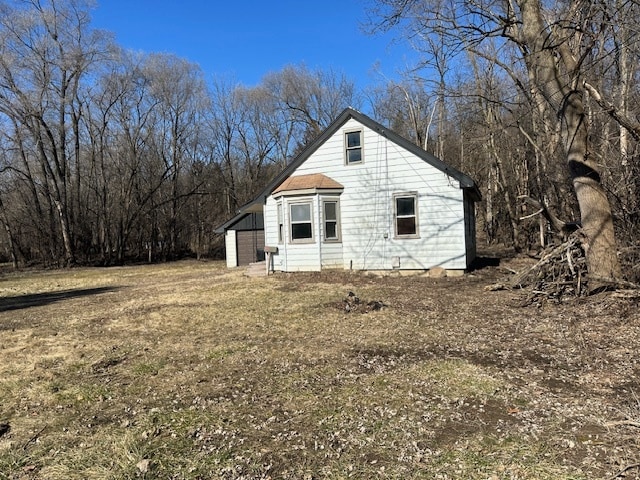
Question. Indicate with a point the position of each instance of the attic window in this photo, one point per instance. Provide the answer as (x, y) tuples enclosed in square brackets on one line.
[(353, 147)]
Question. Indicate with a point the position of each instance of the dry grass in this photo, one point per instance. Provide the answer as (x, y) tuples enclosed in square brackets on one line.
[(192, 371)]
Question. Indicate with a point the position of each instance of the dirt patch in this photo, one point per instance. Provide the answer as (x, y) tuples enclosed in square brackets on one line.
[(475, 417)]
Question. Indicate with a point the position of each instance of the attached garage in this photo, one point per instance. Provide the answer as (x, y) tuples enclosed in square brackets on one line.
[(244, 239)]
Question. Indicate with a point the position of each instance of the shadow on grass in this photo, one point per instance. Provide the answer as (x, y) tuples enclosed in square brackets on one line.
[(41, 299)]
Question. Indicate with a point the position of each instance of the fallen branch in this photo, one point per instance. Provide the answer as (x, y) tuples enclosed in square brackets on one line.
[(618, 282), (531, 215), (629, 423), (33, 439), (627, 294), (560, 271), (624, 470)]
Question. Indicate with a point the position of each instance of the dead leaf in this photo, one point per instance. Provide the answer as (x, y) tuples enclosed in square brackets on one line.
[(143, 465)]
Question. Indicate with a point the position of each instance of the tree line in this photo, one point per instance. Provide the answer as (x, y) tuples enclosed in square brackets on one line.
[(108, 155)]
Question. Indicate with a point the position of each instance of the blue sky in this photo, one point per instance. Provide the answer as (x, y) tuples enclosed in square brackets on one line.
[(247, 39)]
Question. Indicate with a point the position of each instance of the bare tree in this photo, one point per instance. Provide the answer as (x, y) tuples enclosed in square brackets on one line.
[(554, 45), (223, 122), (45, 51), (108, 154), (407, 107), (313, 98), (257, 137), (177, 87)]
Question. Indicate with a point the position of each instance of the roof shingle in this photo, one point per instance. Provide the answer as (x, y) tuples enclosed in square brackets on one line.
[(306, 182)]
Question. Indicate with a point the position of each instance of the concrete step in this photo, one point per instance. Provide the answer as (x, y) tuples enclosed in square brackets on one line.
[(256, 269)]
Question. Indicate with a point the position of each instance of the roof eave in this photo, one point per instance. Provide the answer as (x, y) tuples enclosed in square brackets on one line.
[(254, 206)]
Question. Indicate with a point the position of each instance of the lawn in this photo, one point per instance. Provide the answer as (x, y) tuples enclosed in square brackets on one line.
[(191, 370)]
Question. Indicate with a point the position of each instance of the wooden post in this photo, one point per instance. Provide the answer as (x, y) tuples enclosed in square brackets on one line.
[(269, 251)]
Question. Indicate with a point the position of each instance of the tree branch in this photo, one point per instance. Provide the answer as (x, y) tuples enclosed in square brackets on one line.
[(624, 470), (558, 225), (621, 118)]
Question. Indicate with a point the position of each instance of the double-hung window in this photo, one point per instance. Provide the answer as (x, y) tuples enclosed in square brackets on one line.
[(406, 215), (353, 147), (331, 214), (300, 219)]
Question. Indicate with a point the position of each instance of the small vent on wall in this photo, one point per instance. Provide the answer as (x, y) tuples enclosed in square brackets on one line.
[(395, 262)]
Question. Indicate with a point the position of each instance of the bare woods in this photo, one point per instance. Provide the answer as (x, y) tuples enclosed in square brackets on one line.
[(555, 115), (108, 155)]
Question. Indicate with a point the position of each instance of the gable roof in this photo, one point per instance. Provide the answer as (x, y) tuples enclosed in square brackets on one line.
[(348, 113)]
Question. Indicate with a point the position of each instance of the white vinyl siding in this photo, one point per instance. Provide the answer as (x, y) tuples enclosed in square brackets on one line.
[(332, 255), (294, 254), (271, 232), (367, 231)]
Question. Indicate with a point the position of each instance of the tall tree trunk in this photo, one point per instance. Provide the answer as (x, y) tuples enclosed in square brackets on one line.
[(556, 76), (55, 172), (13, 247), (595, 210)]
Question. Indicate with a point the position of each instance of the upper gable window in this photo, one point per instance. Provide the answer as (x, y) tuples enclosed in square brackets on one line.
[(353, 147)]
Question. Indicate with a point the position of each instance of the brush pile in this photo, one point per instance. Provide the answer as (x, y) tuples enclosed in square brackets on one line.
[(560, 272)]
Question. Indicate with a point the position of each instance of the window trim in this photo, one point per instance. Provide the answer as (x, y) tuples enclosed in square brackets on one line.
[(347, 149), (338, 237), (311, 239), (414, 196)]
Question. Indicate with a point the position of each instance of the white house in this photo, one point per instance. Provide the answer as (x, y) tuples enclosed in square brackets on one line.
[(361, 197)]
